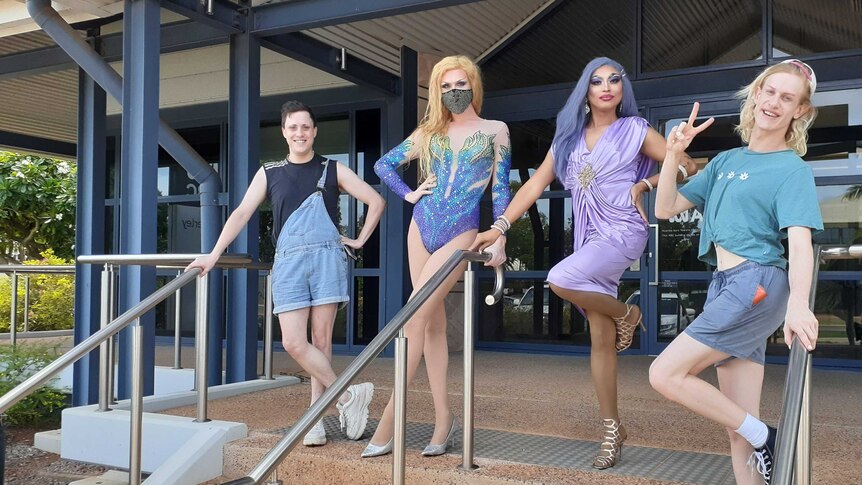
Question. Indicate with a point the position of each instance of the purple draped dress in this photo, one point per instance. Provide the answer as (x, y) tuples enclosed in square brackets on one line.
[(609, 234)]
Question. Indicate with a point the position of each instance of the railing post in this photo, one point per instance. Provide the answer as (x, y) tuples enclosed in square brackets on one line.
[(793, 443), (105, 357), (13, 312), (26, 303), (400, 434), (178, 357), (469, 312), (267, 329), (273, 479), (201, 335), (112, 314), (137, 403)]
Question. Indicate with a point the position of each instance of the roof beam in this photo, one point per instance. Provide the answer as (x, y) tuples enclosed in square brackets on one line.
[(325, 57), (225, 15), (298, 15), (174, 37), (36, 144)]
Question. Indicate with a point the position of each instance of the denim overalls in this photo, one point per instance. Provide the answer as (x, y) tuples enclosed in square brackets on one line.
[(310, 267)]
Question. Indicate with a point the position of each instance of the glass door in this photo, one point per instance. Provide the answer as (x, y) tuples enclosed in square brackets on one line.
[(677, 280)]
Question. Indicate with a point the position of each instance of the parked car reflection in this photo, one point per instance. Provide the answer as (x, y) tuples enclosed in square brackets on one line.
[(675, 310)]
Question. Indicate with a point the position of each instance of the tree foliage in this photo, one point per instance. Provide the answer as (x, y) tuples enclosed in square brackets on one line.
[(52, 298), (37, 206)]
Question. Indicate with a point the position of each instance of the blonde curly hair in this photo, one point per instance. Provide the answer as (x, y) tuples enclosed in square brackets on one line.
[(437, 117), (797, 132)]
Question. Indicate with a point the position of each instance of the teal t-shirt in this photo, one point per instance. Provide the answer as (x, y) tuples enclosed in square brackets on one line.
[(749, 199)]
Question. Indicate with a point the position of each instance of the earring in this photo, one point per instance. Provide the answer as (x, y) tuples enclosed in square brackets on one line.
[(587, 107)]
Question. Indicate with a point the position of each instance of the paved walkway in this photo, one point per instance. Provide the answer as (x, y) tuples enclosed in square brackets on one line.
[(541, 410)]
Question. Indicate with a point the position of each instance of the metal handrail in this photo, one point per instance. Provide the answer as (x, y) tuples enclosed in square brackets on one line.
[(34, 268), (794, 426), (50, 371), (27, 269), (280, 450)]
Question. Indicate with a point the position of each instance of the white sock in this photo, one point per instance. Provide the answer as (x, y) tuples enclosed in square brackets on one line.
[(753, 430)]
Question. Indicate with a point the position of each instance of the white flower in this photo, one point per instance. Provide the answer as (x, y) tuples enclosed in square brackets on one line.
[(58, 217), (744, 176), (63, 168), (730, 175)]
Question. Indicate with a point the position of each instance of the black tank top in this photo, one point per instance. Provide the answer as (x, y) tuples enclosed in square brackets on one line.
[(289, 184)]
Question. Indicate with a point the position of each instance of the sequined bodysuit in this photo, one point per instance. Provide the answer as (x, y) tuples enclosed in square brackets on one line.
[(453, 206)]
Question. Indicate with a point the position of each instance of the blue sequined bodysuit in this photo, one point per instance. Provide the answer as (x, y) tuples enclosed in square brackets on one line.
[(453, 206)]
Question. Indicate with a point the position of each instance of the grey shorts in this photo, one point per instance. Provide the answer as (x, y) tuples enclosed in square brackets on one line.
[(733, 320), (309, 275)]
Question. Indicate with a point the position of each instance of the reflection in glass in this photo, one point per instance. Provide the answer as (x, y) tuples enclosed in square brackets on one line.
[(801, 27), (365, 309), (531, 313), (837, 308), (679, 303), (714, 32)]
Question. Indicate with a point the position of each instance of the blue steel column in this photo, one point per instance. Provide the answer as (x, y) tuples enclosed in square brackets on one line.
[(139, 166), (90, 231), (400, 121), (243, 163)]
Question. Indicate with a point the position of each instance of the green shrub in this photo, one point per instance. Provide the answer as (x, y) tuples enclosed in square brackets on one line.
[(52, 298), (16, 365)]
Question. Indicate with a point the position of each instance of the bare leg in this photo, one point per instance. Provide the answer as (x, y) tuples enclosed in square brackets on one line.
[(674, 375), (741, 381), (437, 364), (322, 321), (603, 363), (422, 267), (597, 302), (294, 337)]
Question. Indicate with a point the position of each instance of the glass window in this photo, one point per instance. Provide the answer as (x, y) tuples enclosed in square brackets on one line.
[(835, 138), (366, 309), (531, 313), (680, 302), (574, 35), (802, 27), (677, 34)]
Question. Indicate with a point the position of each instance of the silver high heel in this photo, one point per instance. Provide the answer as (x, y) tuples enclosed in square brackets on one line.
[(372, 450), (436, 450)]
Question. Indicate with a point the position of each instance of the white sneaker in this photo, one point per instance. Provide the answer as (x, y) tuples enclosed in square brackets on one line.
[(353, 414), (316, 436)]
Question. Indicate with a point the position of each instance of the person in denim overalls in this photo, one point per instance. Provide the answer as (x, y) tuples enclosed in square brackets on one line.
[(310, 269), (751, 198)]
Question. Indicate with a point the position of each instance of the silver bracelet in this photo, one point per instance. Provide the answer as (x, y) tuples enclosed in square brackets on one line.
[(506, 219), (648, 184), (683, 171), (502, 232)]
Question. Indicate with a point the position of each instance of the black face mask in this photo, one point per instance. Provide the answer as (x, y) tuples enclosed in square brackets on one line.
[(457, 100)]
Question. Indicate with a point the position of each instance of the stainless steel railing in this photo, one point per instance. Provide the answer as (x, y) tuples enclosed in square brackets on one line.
[(13, 270), (793, 443), (111, 327), (269, 464)]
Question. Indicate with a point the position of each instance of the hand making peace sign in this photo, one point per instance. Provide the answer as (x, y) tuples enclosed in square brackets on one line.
[(680, 136)]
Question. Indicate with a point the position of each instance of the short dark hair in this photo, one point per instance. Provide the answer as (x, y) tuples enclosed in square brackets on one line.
[(294, 106)]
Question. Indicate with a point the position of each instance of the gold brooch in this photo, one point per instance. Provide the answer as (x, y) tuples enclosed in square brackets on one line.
[(586, 175)]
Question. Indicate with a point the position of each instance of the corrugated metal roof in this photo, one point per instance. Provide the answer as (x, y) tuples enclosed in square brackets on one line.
[(25, 42), (806, 26), (464, 29), (42, 105)]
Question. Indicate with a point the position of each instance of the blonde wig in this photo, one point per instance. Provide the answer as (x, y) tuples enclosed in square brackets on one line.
[(437, 117), (797, 132)]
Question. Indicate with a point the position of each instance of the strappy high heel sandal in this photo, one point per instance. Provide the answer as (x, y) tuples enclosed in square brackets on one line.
[(626, 329), (611, 449)]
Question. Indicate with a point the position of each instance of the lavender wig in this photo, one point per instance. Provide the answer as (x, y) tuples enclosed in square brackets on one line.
[(573, 118)]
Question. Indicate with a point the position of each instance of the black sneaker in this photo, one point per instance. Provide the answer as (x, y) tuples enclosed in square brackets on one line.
[(762, 459)]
